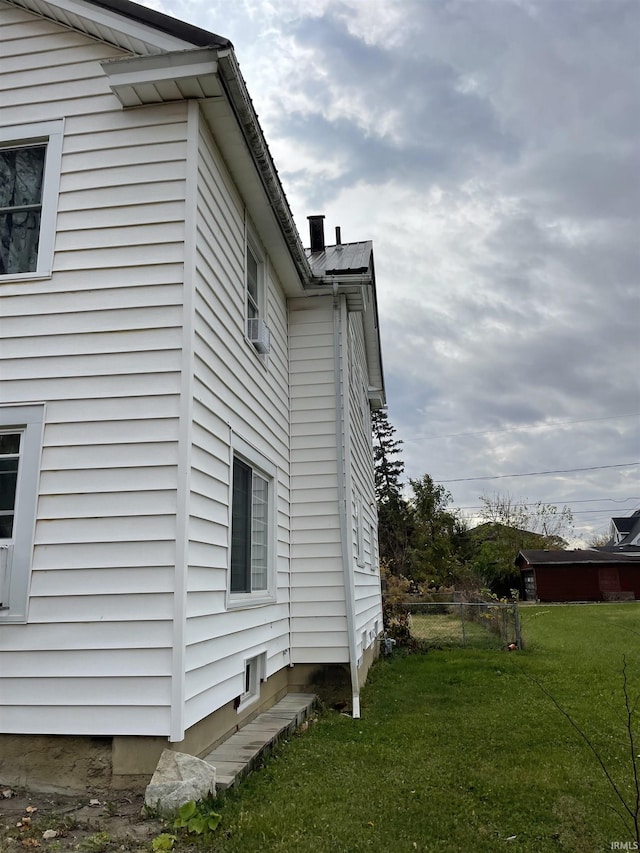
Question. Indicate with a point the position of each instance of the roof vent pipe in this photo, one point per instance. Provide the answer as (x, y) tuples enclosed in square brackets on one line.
[(338, 236), (316, 232)]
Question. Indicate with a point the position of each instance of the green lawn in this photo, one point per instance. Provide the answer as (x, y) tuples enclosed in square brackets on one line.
[(459, 749)]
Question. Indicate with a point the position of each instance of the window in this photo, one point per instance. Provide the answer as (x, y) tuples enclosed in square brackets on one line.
[(254, 674), (252, 530), (29, 177), (255, 309), (20, 446), (373, 541), (359, 525), (254, 284)]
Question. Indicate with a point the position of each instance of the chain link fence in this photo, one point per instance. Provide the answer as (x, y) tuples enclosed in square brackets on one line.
[(441, 624)]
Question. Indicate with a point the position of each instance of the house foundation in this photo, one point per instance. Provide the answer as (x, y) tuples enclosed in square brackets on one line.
[(75, 764)]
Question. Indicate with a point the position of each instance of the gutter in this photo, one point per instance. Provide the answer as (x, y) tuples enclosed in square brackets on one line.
[(341, 447), (235, 89)]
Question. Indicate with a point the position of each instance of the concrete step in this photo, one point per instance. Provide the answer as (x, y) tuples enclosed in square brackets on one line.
[(240, 753)]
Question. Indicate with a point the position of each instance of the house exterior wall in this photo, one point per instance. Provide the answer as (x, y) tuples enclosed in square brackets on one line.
[(318, 610), (319, 587), (364, 545), (237, 394), (100, 344), (135, 349)]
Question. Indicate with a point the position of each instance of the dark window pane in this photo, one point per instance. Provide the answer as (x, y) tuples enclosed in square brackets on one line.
[(6, 526), (21, 172), (9, 442), (8, 483), (19, 238), (253, 296), (241, 528)]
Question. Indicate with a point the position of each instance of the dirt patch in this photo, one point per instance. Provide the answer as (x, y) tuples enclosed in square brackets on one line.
[(95, 823)]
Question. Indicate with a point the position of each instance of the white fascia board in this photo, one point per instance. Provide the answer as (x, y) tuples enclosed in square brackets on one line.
[(115, 21)]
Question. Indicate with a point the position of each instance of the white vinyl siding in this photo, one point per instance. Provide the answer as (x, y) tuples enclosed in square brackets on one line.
[(238, 396), (318, 612), (101, 343), (367, 582)]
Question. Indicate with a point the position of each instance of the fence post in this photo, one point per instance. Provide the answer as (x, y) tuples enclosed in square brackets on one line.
[(464, 635), (516, 622)]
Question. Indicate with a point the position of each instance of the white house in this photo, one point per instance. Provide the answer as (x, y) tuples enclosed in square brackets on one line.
[(187, 515)]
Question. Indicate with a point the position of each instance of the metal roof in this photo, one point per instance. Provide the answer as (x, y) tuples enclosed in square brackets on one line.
[(341, 259)]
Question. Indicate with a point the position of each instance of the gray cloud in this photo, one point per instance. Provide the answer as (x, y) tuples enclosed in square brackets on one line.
[(490, 149)]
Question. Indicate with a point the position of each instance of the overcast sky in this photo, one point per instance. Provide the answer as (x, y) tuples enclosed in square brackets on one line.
[(490, 149)]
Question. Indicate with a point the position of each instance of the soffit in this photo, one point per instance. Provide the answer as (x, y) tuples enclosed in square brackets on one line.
[(104, 24)]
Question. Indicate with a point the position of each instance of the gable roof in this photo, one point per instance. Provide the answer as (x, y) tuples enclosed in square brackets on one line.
[(164, 23), (169, 60), (627, 528)]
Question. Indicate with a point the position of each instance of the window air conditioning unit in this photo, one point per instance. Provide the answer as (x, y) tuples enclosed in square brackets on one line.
[(258, 334)]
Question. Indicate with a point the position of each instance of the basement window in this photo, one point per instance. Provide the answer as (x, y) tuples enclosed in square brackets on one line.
[(254, 674)]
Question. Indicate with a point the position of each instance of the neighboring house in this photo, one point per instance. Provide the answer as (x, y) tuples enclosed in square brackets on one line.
[(625, 531), (594, 574), (188, 527)]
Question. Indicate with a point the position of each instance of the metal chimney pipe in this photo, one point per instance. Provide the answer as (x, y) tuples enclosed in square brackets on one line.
[(316, 233), (338, 236)]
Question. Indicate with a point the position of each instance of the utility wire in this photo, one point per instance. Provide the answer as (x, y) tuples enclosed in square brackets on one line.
[(537, 473), (584, 501), (520, 428)]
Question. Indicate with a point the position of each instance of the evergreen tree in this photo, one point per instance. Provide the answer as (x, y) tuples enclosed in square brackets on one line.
[(394, 516), (386, 454)]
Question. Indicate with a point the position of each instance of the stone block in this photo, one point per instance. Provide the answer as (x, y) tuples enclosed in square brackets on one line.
[(178, 778)]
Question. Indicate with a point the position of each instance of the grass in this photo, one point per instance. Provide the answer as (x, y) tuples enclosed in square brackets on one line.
[(442, 630), (459, 749)]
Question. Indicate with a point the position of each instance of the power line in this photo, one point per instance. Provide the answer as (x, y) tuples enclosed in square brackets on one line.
[(521, 428), (537, 473), (583, 501)]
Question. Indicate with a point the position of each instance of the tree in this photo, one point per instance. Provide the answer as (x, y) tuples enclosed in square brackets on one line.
[(439, 539), (510, 526), (394, 516), (386, 455), (599, 539)]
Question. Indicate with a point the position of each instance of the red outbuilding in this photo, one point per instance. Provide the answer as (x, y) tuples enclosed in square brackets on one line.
[(593, 574)]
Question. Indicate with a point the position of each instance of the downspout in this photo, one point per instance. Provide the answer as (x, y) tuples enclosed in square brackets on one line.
[(347, 569)]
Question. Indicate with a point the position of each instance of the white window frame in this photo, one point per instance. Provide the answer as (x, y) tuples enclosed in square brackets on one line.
[(29, 421), (373, 545), (252, 246), (254, 674), (251, 457), (50, 133), (359, 525)]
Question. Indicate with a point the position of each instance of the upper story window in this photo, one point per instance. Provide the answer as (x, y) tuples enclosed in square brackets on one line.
[(20, 448), (256, 299), (29, 179), (254, 283)]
